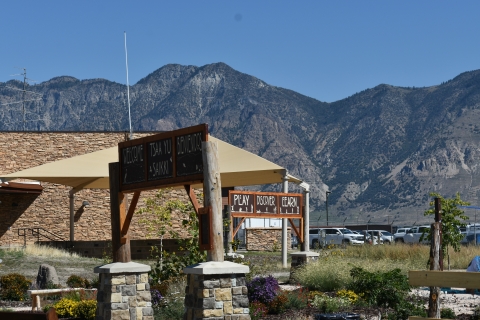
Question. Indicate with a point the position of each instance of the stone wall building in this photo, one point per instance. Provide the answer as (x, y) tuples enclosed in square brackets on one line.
[(266, 239), (20, 208)]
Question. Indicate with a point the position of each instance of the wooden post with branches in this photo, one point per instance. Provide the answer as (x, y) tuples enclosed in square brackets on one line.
[(436, 260), (212, 189)]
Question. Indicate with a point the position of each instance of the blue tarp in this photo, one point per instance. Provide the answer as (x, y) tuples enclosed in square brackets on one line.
[(474, 265)]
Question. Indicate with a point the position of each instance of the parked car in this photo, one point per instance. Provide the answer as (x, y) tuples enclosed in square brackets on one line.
[(325, 236), (415, 233), (386, 236), (469, 232), (372, 236), (398, 236)]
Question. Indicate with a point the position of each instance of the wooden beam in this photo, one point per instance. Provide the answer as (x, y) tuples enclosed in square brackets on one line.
[(238, 227), (122, 200), (131, 210), (121, 251), (302, 230), (456, 279), (193, 197), (299, 235)]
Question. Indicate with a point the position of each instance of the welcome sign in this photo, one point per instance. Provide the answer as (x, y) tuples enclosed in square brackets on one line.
[(162, 160)]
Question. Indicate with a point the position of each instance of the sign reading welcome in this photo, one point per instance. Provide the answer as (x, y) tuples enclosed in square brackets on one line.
[(263, 204), (165, 159)]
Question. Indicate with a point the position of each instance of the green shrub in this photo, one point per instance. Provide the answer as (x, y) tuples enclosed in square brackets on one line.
[(172, 310), (383, 289), (330, 304), (85, 309), (447, 313), (95, 283), (47, 307), (66, 308), (297, 299), (406, 309), (75, 281), (14, 286)]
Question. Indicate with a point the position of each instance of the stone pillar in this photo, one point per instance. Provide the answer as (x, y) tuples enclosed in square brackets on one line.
[(124, 292), (302, 257), (216, 290)]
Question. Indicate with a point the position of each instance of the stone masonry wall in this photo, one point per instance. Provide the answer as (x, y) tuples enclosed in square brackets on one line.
[(266, 239), (50, 210), (216, 297), (124, 296)]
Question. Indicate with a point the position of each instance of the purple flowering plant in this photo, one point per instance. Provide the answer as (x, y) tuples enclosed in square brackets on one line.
[(157, 299), (262, 289)]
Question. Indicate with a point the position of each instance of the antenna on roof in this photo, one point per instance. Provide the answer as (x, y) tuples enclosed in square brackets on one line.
[(128, 88), (24, 91)]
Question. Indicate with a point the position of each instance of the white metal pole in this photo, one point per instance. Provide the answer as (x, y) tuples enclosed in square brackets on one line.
[(128, 89), (306, 222), (284, 224)]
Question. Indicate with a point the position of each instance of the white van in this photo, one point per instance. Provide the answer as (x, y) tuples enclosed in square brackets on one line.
[(324, 236)]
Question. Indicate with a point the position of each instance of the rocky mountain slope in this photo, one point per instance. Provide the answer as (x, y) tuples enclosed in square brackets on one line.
[(380, 151)]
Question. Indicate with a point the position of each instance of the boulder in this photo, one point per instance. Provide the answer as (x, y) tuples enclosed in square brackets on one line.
[(46, 274)]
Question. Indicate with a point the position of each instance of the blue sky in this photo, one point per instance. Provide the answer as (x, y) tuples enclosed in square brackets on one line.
[(327, 50)]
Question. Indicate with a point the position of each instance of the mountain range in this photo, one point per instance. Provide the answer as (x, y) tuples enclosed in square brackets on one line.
[(380, 151)]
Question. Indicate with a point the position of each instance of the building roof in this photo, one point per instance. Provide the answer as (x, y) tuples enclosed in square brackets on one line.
[(238, 167)]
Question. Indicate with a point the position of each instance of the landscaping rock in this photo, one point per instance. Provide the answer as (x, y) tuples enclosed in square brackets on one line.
[(46, 274)]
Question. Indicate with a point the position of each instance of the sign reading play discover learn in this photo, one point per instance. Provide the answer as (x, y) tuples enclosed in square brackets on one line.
[(163, 160), (265, 204)]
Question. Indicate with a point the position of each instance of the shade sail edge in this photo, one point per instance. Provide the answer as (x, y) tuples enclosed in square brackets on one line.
[(238, 167)]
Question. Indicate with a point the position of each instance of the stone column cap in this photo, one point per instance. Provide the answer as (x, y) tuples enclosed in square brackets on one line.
[(122, 267), (305, 254), (216, 267)]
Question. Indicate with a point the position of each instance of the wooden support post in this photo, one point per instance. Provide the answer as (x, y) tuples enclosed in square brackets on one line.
[(237, 228), (212, 189), (435, 260), (131, 210), (229, 231), (121, 251), (193, 197), (297, 231), (71, 197)]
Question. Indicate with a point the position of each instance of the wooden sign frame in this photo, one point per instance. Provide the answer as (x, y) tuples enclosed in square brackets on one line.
[(134, 155), (205, 237), (275, 215), (235, 214)]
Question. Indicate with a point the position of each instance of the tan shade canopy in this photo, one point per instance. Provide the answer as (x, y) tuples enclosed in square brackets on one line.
[(90, 171)]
